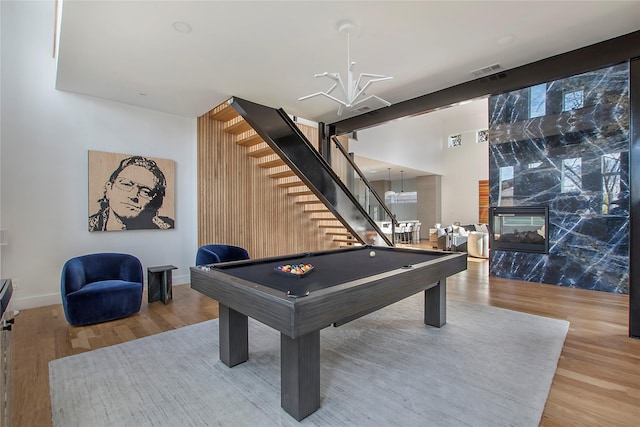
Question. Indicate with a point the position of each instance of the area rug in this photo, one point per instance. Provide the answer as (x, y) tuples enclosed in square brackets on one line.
[(486, 367)]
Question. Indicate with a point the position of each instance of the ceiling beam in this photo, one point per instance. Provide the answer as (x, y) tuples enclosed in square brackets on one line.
[(589, 58)]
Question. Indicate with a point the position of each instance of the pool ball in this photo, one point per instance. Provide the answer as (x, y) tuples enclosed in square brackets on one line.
[(372, 254)]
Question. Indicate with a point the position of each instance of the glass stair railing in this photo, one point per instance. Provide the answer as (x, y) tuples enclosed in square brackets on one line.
[(278, 130), (352, 177)]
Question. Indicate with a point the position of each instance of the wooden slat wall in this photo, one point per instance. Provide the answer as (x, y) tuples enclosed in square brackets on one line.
[(483, 201), (338, 163), (239, 204)]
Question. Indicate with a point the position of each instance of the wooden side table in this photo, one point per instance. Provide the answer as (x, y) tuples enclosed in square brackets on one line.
[(159, 283)]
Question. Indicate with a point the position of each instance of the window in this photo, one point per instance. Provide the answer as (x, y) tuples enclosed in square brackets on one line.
[(571, 175), (455, 140), (573, 100), (482, 136), (538, 100)]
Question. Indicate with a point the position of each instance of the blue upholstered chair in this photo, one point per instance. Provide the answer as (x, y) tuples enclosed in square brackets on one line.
[(210, 254), (101, 287)]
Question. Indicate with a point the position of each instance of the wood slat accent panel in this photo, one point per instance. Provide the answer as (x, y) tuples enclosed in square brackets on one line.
[(339, 164), (239, 204), (483, 201)]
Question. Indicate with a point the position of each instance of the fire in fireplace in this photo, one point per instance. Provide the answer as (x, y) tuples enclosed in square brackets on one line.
[(519, 229)]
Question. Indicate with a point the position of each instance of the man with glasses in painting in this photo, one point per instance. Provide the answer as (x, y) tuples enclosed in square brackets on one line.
[(132, 197)]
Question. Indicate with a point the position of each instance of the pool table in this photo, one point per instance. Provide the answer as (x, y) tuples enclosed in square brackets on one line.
[(344, 285)]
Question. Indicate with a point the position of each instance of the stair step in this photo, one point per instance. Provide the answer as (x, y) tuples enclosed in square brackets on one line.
[(288, 184), (225, 114), (338, 233), (303, 192), (272, 164), (331, 226), (252, 139), (346, 240), (283, 174), (324, 210), (328, 219), (261, 152), (238, 127), (309, 202)]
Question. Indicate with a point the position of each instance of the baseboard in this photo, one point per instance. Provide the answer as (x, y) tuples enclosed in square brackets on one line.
[(182, 279), (23, 303)]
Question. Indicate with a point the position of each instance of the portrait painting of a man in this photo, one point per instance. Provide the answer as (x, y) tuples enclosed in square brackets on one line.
[(128, 192)]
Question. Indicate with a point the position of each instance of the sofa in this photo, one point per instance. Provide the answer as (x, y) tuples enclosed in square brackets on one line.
[(472, 238)]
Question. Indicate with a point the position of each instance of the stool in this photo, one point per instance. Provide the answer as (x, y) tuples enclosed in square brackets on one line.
[(159, 283)]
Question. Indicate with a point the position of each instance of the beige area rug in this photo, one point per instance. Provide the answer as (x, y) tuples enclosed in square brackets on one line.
[(486, 367)]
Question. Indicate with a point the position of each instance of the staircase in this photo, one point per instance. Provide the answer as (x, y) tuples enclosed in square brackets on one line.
[(282, 175)]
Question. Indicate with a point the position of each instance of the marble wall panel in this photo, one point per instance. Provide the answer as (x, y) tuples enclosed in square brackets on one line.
[(567, 149)]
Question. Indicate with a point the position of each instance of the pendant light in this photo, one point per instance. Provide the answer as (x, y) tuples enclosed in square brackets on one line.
[(389, 193)]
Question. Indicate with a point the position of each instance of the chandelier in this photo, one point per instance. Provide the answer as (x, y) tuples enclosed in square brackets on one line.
[(353, 93)]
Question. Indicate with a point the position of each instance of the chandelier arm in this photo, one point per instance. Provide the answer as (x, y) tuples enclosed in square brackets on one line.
[(364, 75), (324, 94), (332, 88), (361, 91), (344, 91), (310, 96), (352, 92), (380, 76), (332, 76), (386, 103)]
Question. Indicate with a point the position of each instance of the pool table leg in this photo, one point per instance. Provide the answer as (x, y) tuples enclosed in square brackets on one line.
[(435, 304), (234, 336), (300, 374)]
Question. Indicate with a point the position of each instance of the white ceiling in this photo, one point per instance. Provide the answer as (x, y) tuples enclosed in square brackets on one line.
[(268, 51)]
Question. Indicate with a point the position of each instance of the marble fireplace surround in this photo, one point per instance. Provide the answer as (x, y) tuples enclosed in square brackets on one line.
[(570, 153)]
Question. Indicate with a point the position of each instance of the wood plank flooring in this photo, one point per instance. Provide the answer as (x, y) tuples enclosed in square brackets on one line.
[(597, 382)]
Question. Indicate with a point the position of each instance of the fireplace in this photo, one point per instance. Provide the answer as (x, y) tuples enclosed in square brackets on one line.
[(519, 229)]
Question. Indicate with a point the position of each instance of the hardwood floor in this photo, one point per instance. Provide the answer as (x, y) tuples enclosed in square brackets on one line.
[(597, 382)]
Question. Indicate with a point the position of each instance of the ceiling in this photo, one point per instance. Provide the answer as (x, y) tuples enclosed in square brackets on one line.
[(268, 51)]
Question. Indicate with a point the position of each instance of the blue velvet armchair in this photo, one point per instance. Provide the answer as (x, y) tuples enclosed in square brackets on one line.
[(101, 287), (210, 254)]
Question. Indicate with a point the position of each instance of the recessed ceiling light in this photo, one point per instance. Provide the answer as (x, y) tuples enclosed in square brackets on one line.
[(181, 27)]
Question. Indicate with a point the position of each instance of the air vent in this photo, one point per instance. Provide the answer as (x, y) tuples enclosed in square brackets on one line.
[(362, 109), (485, 71)]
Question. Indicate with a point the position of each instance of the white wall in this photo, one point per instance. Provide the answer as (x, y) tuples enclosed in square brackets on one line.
[(421, 143), (413, 142), (45, 138), (463, 167)]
